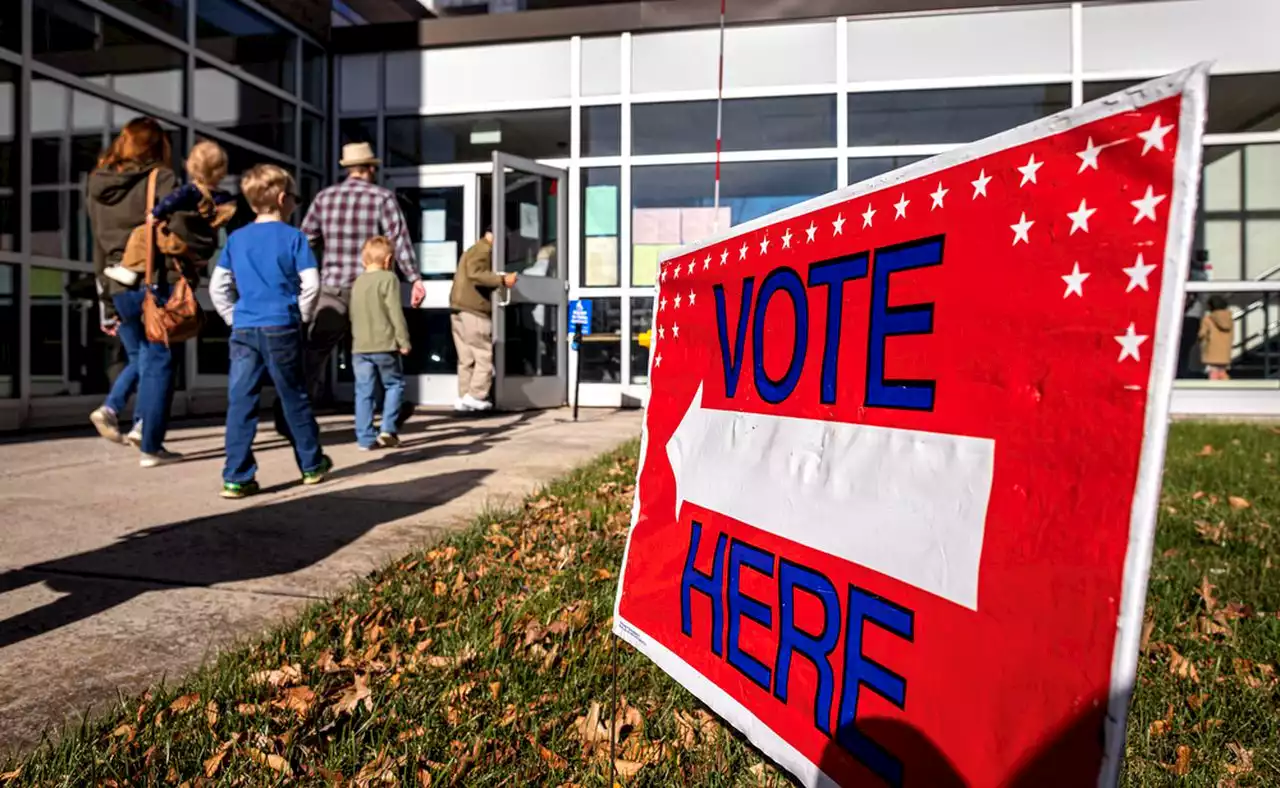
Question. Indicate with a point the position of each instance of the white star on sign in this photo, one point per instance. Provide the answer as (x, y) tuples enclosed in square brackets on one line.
[(675, 330), (786, 239), (662, 332), (1029, 170), (691, 264), (1075, 281), (866, 217), (675, 271), (1080, 217), (706, 263), (1138, 273), (764, 246), (1147, 205), (1154, 136), (724, 255), (901, 207), (980, 185), (663, 275), (1089, 156), (938, 195), (837, 227), (742, 253), (677, 300), (662, 304), (691, 297), (1130, 341), (809, 231), (657, 360), (1021, 230)]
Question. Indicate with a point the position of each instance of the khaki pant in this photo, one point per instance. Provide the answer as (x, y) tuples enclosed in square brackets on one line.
[(473, 338)]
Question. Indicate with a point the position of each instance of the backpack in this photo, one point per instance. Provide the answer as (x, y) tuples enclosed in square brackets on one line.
[(179, 318)]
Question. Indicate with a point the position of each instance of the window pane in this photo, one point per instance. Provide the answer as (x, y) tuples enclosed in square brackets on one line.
[(939, 116), (862, 169), (600, 230), (314, 66), (9, 338), (748, 124), (1237, 103), (641, 322), (245, 38), (8, 223), (213, 355), (168, 15), (530, 337), (239, 108), (601, 131), (76, 40), (358, 83), (1239, 211), (48, 224), (602, 348), (600, 66), (1240, 341), (434, 218), (313, 146), (431, 335), (358, 130), (11, 38), (8, 127), (69, 355), (672, 204), (443, 139), (1239, 35)]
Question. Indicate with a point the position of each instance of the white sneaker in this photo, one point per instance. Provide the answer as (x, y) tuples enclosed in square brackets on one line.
[(121, 274), (460, 405), (134, 438), (162, 457), (471, 403), (104, 420)]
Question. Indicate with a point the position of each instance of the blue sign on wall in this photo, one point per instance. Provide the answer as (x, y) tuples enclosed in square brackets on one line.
[(580, 315)]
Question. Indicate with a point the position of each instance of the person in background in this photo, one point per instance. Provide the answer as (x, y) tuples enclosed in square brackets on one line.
[(470, 300), (379, 336), (1217, 333), (265, 288), (116, 203), (339, 221)]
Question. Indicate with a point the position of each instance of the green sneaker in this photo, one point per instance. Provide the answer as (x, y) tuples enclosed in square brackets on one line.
[(317, 476), (239, 489)]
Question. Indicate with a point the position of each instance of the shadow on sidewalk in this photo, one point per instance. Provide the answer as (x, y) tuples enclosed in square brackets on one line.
[(248, 543)]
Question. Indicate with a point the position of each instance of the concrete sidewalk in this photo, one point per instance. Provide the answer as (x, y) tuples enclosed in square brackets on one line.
[(113, 578)]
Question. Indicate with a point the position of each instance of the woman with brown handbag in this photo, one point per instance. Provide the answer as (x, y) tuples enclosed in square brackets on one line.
[(119, 195)]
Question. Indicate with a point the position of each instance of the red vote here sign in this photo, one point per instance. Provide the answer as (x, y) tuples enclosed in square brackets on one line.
[(903, 448)]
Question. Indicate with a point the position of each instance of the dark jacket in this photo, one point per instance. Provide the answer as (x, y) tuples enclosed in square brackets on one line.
[(475, 281), (116, 203)]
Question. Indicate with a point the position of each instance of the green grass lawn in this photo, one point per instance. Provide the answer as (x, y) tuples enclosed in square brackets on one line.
[(487, 660)]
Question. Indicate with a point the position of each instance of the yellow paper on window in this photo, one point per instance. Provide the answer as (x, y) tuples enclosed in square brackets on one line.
[(644, 262), (602, 262)]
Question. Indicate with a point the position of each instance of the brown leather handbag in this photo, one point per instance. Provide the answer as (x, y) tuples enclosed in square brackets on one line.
[(180, 318)]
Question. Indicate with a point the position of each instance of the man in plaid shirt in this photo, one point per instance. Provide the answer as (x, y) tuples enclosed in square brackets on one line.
[(339, 221)]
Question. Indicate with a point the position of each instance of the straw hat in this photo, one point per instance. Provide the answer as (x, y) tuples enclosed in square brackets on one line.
[(355, 154)]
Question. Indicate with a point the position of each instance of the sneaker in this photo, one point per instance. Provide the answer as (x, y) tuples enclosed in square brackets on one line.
[(364, 448), (162, 457), (317, 476), (471, 403), (460, 405), (134, 438), (239, 489), (388, 440), (104, 420), (121, 274)]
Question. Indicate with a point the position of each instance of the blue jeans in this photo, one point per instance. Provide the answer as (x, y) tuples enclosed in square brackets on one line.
[(131, 336), (257, 353), (154, 364), (370, 368)]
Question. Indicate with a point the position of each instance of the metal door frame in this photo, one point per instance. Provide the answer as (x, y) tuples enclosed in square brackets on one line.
[(544, 391)]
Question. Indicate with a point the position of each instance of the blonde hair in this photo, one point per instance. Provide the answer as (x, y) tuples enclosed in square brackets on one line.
[(262, 186), (377, 253), (207, 163)]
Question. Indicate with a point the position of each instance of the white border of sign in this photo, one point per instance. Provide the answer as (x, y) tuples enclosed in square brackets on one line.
[(1192, 84)]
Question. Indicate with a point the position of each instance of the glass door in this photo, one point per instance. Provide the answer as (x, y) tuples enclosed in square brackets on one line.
[(441, 213), (529, 223)]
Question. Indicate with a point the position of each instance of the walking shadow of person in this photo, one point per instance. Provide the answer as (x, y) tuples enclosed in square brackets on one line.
[(248, 543)]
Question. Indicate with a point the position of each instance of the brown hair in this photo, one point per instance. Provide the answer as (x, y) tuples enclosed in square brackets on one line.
[(207, 163), (140, 143), (262, 186), (376, 252)]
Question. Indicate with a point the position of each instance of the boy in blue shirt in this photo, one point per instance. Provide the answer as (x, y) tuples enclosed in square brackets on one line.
[(265, 287)]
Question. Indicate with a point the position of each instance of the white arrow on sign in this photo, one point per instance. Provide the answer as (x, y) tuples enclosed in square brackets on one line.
[(911, 505)]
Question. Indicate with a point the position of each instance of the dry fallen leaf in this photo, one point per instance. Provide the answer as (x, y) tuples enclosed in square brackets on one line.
[(1244, 759), (296, 699), (280, 677), (184, 703), (1198, 700), (1158, 728), (211, 713), (1148, 627), (9, 776), (380, 770), (270, 760), (550, 758), (214, 761), (1206, 451), (424, 778), (1237, 502), (307, 638), (1211, 533), (1205, 591), (352, 696), (1182, 667), (1182, 764), (1205, 726)]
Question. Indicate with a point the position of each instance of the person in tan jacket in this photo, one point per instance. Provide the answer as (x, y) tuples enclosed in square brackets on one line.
[(472, 321), (1217, 331)]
